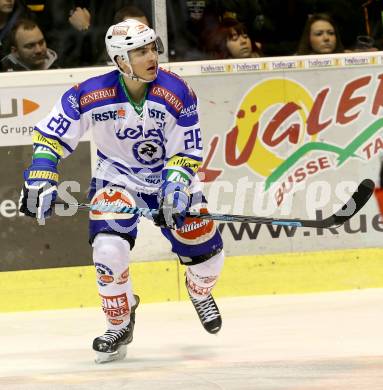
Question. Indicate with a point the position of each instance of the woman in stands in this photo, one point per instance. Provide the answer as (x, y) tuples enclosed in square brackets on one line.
[(230, 40), (320, 36)]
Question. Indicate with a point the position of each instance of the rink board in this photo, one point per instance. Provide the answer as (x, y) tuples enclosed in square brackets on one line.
[(162, 281)]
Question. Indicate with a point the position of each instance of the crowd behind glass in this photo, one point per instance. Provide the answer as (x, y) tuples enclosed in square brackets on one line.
[(49, 34)]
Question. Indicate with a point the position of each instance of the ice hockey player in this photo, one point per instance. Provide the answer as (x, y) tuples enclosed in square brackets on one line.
[(146, 128)]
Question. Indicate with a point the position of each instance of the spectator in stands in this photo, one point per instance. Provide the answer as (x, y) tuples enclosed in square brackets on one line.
[(10, 11), (131, 12), (230, 40), (320, 36), (28, 49)]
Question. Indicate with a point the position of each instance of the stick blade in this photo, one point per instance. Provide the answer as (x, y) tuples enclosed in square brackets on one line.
[(359, 198)]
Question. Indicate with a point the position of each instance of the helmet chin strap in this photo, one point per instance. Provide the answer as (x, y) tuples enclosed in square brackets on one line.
[(132, 76)]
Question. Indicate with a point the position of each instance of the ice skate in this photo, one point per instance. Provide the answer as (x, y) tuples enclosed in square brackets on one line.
[(112, 344), (208, 313)]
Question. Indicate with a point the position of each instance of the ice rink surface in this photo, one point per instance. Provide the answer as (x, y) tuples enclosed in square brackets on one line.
[(292, 342)]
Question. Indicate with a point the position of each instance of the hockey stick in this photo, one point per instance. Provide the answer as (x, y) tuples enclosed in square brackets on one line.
[(358, 199)]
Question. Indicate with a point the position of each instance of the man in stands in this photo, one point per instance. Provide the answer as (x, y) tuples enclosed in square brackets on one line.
[(28, 49)]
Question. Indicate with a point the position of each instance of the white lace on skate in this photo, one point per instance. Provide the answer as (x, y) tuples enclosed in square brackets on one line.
[(206, 309), (112, 335)]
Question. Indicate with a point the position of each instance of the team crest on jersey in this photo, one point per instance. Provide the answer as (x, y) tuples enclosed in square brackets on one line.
[(149, 152), (195, 230), (112, 197)]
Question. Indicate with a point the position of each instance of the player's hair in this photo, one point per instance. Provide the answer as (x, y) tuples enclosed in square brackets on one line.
[(304, 46), (128, 11), (26, 24)]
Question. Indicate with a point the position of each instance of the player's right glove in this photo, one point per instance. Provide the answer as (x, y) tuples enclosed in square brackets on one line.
[(40, 189), (173, 200)]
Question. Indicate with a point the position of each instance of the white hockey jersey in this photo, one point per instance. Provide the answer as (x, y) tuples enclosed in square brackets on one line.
[(135, 151)]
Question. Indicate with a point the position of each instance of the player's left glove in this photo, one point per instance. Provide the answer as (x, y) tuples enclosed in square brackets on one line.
[(173, 200), (40, 189)]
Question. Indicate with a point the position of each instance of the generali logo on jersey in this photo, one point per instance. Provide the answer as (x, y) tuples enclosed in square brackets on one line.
[(97, 95), (14, 107), (169, 96)]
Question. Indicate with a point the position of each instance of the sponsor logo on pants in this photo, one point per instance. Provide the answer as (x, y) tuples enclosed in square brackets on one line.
[(198, 290), (116, 308), (195, 230)]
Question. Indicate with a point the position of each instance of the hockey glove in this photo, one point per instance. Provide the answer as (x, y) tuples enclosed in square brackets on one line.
[(173, 200), (40, 189)]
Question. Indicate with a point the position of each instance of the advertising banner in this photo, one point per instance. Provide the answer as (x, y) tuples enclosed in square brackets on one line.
[(293, 144)]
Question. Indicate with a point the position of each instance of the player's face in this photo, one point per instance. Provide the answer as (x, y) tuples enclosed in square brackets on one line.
[(6, 6), (322, 37), (239, 45), (31, 47), (144, 61)]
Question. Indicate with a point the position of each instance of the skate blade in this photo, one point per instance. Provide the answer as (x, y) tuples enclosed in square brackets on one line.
[(103, 357)]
